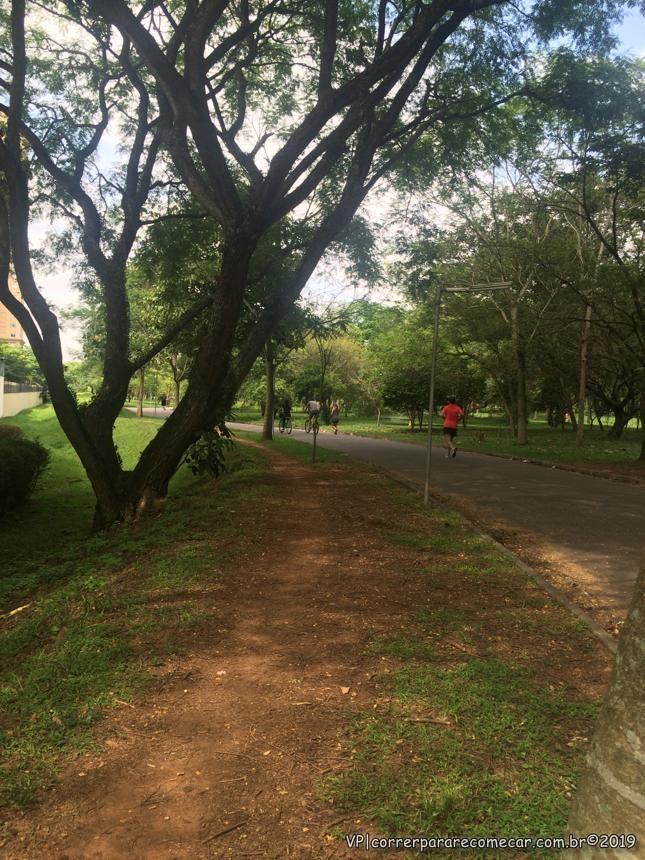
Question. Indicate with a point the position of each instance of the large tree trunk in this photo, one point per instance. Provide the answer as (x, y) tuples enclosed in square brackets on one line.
[(550, 415), (574, 420), (122, 495), (611, 791), (621, 419), (582, 390), (520, 364), (141, 392), (269, 373), (177, 375), (642, 415)]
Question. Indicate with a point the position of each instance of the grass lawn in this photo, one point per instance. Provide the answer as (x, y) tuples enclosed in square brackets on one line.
[(62, 506), (481, 716), (74, 634)]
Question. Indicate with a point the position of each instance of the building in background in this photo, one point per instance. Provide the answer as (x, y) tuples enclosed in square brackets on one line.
[(10, 329)]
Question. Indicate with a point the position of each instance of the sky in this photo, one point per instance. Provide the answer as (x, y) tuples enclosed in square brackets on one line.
[(56, 286), (632, 33)]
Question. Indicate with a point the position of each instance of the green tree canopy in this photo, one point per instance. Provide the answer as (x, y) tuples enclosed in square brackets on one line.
[(277, 119)]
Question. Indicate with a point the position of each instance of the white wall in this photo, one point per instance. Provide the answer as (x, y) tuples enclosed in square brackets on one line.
[(12, 404)]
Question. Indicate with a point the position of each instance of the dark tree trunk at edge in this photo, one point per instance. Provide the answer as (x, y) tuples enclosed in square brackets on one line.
[(611, 792), (269, 371), (642, 416)]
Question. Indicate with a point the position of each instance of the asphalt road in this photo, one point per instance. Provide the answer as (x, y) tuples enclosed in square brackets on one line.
[(594, 525)]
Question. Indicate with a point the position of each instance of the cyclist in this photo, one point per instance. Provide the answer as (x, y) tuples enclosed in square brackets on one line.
[(313, 410), (284, 413)]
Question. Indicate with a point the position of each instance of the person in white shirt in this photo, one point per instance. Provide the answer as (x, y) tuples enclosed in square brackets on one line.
[(312, 409)]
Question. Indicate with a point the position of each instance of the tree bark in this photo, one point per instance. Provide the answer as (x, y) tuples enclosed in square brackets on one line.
[(574, 421), (520, 364), (642, 414), (611, 792), (642, 417), (550, 413), (141, 392), (269, 371), (582, 391), (621, 419)]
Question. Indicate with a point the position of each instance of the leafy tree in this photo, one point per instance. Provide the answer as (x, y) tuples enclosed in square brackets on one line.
[(20, 365), (83, 377), (591, 173), (288, 336), (331, 367), (369, 319), (404, 356), (320, 358), (214, 99)]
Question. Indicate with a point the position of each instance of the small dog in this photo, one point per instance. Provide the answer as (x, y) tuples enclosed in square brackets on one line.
[(480, 437)]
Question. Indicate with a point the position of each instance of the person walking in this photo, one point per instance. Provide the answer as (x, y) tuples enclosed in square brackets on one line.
[(451, 414), (334, 417)]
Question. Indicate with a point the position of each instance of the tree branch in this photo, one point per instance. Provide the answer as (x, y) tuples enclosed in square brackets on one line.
[(328, 49), (177, 327)]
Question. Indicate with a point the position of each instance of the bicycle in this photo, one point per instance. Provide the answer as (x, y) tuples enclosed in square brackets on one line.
[(285, 425), (312, 424)]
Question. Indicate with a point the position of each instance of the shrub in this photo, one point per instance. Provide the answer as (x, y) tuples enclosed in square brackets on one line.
[(207, 454), (22, 461)]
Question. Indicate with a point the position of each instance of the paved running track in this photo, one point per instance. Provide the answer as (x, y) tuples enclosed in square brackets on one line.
[(596, 524)]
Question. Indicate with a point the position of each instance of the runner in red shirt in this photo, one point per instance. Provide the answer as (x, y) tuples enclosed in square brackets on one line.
[(451, 413)]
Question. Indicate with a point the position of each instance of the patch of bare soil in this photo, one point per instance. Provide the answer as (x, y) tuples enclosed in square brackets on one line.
[(225, 758)]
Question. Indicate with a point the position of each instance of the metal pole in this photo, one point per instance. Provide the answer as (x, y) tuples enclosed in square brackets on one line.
[(433, 365)]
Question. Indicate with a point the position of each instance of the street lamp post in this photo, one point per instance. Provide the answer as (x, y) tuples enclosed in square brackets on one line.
[(474, 288)]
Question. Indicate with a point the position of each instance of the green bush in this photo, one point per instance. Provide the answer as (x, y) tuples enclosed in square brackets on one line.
[(207, 454), (22, 460)]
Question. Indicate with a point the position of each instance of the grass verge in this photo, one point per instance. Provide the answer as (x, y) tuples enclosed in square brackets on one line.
[(484, 709), (302, 451), (93, 614)]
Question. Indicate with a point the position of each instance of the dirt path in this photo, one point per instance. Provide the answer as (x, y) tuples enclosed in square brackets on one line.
[(226, 759), (227, 756)]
